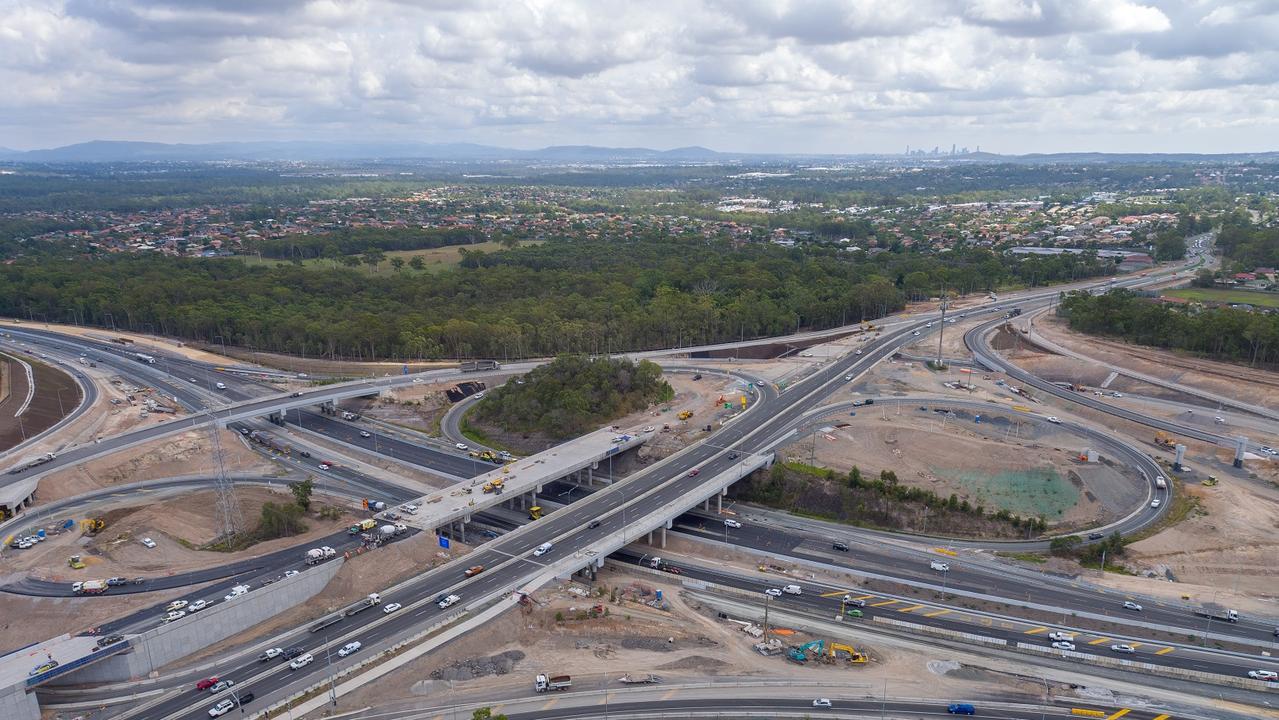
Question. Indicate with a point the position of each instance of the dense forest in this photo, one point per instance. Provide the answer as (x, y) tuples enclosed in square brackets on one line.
[(573, 395), (1221, 334), (1248, 246), (558, 297)]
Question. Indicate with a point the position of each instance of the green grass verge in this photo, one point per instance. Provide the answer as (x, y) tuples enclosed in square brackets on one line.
[(1024, 557), (1250, 297), (470, 432)]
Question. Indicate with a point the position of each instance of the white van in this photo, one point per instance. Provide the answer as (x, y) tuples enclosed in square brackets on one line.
[(939, 566), (542, 549), (793, 590), (301, 661), (221, 386)]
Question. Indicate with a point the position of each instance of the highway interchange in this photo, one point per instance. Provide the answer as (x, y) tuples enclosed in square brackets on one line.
[(773, 420)]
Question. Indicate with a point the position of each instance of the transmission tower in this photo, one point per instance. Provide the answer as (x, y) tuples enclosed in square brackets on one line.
[(228, 504)]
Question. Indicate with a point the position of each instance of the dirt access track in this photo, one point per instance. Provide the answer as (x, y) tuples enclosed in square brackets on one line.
[(56, 395)]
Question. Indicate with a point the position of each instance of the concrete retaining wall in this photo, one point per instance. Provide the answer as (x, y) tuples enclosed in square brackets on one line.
[(18, 704), (162, 645)]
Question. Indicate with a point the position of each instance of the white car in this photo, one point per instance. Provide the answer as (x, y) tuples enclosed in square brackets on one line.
[(1068, 637), (1125, 649), (222, 708), (148, 542), (1130, 605), (848, 378), (915, 333), (220, 686), (859, 352), (461, 446), (197, 606), (175, 615), (177, 605), (1154, 503), (1053, 419), (301, 661), (365, 434), (290, 573), (479, 395), (350, 648), (729, 522), (391, 607), (236, 592), (1268, 675), (324, 466), (542, 549), (775, 592), (446, 602), (409, 508), (939, 566), (1064, 645), (821, 702)]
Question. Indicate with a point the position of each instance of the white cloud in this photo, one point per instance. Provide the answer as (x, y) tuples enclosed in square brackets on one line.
[(779, 75)]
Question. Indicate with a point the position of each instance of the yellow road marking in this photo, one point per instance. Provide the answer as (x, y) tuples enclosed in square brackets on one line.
[(551, 703), (669, 694), (1098, 641), (935, 613), (1035, 631), (1165, 651), (1134, 646), (912, 607), (1119, 714), (1163, 717), (863, 597), (837, 593), (886, 602)]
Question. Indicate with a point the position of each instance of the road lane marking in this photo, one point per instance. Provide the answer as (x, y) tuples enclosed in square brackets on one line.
[(1119, 714), (837, 593), (1035, 631), (909, 609), (1135, 645), (935, 613), (551, 703), (1165, 651), (669, 694), (1162, 717), (883, 603), (1099, 641)]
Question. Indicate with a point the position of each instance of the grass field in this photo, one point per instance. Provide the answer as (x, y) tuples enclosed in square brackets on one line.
[(1250, 297), (436, 259)]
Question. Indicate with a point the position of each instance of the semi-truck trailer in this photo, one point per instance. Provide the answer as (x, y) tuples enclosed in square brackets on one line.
[(365, 604), (476, 365), (315, 556), (1217, 612)]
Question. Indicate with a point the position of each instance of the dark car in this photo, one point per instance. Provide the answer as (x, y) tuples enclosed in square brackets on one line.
[(117, 581), (732, 456), (246, 698), (109, 640), (961, 709), (1096, 536), (594, 524), (842, 547), (139, 581), (292, 653)]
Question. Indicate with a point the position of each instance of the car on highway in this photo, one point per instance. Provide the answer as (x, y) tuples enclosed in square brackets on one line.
[(474, 570), (858, 352), (1130, 605), (693, 472), (175, 615), (1059, 635), (1053, 419), (593, 524), (176, 605), (222, 708), (821, 703), (542, 549), (42, 668), (1116, 395), (1125, 649), (479, 395), (206, 683), (448, 601), (292, 653), (1096, 535), (290, 573), (854, 602), (391, 607), (117, 581), (220, 685), (961, 709), (365, 434), (236, 592), (461, 446), (148, 542), (324, 466), (192, 380), (301, 661), (197, 606), (840, 546), (729, 522), (1267, 675), (350, 648), (109, 640), (1064, 645), (409, 508), (939, 566), (915, 333), (270, 654), (773, 592), (1154, 503), (848, 378)]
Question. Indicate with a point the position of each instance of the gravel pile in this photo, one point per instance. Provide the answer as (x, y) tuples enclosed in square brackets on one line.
[(500, 664)]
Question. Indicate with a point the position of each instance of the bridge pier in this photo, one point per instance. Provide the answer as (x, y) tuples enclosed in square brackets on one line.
[(719, 501)]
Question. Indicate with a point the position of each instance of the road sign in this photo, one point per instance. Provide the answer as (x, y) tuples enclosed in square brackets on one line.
[(444, 542)]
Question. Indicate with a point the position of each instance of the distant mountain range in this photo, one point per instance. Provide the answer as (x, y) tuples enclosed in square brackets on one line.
[(108, 151)]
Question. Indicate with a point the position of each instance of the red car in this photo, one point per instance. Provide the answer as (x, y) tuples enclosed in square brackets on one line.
[(693, 472), (206, 683)]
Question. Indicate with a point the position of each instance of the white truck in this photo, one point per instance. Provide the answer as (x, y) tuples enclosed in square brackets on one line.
[(1160, 482), (552, 683), (365, 604), (1217, 612), (315, 556), (793, 590)]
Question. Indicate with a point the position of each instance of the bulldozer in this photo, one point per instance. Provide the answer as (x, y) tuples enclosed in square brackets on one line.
[(1164, 439), (93, 526), (1209, 481), (846, 652), (685, 414), (75, 562)]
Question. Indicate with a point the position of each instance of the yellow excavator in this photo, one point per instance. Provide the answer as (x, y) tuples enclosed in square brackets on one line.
[(535, 512), (494, 485), (846, 652), (685, 414), (93, 526), (1164, 439)]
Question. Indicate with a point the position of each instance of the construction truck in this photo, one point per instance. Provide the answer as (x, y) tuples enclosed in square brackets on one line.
[(361, 526), (75, 562), (90, 587), (535, 512), (685, 414), (1217, 612), (840, 651), (93, 526), (649, 679), (494, 485), (552, 683), (800, 654), (1164, 439), (365, 604), (315, 556)]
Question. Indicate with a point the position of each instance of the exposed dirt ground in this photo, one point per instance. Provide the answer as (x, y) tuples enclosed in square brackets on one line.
[(996, 463), (419, 407), (190, 518), (189, 453), (56, 394), (140, 340)]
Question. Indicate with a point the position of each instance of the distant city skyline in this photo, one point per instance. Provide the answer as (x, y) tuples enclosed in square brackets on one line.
[(745, 76)]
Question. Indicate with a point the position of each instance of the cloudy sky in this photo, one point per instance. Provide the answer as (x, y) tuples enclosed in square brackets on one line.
[(742, 75)]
